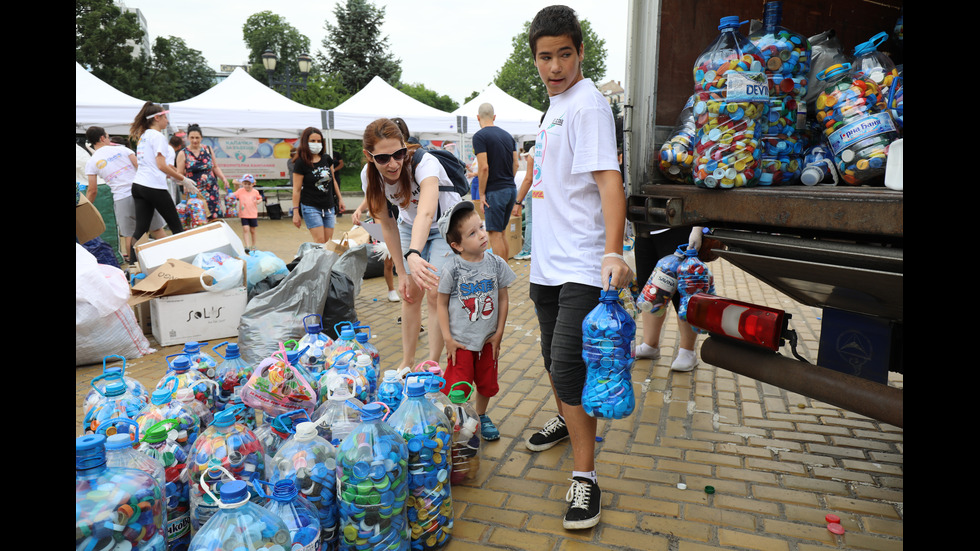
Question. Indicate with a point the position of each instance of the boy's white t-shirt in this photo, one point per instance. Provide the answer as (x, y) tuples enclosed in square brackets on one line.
[(577, 136), (428, 166), (112, 164), (148, 174)]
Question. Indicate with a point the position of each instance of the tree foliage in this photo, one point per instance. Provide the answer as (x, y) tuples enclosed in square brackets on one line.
[(355, 49), (102, 31), (175, 73), (519, 77), (268, 31), (431, 98)]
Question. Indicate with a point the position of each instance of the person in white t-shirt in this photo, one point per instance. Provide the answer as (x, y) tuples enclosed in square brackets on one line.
[(579, 222), (116, 165), (150, 191), (416, 246)]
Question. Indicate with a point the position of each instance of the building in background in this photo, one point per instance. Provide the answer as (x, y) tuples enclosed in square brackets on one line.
[(615, 94), (143, 47)]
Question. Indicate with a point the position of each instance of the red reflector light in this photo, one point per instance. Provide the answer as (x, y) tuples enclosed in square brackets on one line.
[(751, 323)]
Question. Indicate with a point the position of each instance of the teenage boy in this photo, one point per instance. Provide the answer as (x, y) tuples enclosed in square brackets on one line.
[(579, 220)]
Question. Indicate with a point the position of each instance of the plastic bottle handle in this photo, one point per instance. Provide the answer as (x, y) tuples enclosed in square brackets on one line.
[(221, 504), (110, 375), (353, 382), (121, 420), (834, 70), (123, 358), (318, 318), (174, 423), (216, 347), (472, 388)]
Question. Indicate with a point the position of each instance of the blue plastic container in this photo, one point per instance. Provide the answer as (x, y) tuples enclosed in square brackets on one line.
[(299, 516), (608, 334), (240, 524), (136, 388)]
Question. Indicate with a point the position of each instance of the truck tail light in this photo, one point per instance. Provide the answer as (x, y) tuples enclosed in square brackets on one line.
[(750, 323)]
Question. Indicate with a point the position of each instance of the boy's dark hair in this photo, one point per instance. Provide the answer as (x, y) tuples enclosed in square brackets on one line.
[(94, 134), (555, 21), (452, 233)]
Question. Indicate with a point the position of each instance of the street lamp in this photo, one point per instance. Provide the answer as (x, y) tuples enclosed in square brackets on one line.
[(269, 61)]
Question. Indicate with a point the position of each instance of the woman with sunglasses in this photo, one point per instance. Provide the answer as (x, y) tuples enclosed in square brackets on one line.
[(150, 190), (413, 240), (315, 187)]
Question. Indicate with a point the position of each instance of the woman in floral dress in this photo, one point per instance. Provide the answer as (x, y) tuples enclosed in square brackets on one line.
[(196, 161)]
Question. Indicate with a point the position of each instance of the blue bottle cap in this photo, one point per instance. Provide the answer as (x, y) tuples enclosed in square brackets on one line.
[(160, 396), (372, 411), (415, 389), (119, 441), (115, 388), (234, 491), (232, 351), (226, 417), (89, 451), (181, 363), (728, 22), (192, 346)]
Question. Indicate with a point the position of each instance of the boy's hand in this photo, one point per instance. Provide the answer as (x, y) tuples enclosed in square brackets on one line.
[(451, 347), (495, 341)]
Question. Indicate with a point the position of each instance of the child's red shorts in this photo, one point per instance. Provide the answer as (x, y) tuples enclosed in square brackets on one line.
[(479, 368)]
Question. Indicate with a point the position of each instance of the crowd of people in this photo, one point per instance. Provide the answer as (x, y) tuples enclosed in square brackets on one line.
[(446, 256)]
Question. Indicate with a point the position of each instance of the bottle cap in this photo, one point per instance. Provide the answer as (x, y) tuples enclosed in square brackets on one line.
[(233, 491), (415, 389), (119, 441), (835, 528)]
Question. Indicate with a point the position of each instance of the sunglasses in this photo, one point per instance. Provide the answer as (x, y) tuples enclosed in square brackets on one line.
[(385, 158)]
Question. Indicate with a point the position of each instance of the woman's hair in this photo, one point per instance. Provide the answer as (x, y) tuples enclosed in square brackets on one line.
[(142, 122), (94, 134), (194, 128), (400, 123), (385, 129), (555, 21), (176, 142), (303, 146)]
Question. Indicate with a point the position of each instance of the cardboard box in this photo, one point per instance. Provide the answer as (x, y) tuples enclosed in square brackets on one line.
[(514, 236), (88, 221), (216, 236), (197, 316)]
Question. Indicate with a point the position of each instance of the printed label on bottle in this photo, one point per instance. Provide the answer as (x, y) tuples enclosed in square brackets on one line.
[(861, 129), (663, 281), (178, 527), (746, 86)]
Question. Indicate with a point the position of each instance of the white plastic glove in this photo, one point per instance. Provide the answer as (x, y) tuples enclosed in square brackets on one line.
[(694, 240), (190, 187)]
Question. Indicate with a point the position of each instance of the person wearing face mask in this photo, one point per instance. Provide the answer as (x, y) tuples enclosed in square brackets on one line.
[(197, 162), (316, 190)]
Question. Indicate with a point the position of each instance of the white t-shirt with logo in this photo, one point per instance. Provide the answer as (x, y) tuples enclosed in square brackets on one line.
[(112, 164), (428, 166), (148, 174), (577, 136)]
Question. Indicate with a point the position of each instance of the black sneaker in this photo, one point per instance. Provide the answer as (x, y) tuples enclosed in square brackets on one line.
[(583, 511), (554, 431)]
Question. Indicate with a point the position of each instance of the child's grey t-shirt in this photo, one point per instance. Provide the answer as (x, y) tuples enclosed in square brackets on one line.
[(473, 289)]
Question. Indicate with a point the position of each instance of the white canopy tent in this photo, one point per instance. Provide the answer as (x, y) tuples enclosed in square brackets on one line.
[(241, 106), (99, 104), (513, 115), (379, 99)]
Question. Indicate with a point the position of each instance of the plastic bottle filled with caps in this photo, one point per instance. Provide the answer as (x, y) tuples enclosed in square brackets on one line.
[(310, 461), (372, 490), (730, 111), (391, 389), (199, 359), (231, 373), (856, 125), (115, 506), (240, 523), (188, 376), (677, 153), (339, 415), (274, 431), (344, 375), (428, 435), (278, 386), (374, 372), (345, 342), (122, 451), (608, 338), (296, 512), (466, 435), (164, 406), (317, 344), (136, 388), (115, 401), (662, 284), (693, 277), (159, 442)]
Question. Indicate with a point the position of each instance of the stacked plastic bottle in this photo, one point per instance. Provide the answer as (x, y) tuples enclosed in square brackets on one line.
[(163, 406), (339, 415), (316, 343), (273, 433), (856, 124), (136, 388), (662, 284), (372, 478), (231, 445), (345, 373), (896, 100), (872, 65), (373, 373), (159, 443), (240, 523), (231, 206), (121, 451), (677, 153), (296, 512), (608, 334), (188, 399), (391, 389), (345, 342), (730, 111), (115, 401), (786, 58), (114, 506), (693, 277), (278, 386), (466, 436), (189, 377), (430, 374), (203, 504), (428, 434), (311, 461), (818, 167), (192, 211), (199, 359), (230, 374)]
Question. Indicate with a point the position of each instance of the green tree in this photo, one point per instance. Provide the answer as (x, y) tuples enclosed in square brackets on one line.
[(431, 98), (519, 77), (268, 31), (355, 49), (175, 73), (102, 31)]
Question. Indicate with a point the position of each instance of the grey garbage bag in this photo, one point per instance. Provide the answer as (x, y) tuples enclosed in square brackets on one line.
[(277, 315)]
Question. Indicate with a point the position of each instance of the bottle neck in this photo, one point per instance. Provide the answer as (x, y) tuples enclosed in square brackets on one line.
[(773, 16)]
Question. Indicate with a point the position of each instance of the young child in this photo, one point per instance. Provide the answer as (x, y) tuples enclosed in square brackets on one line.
[(248, 201), (472, 307)]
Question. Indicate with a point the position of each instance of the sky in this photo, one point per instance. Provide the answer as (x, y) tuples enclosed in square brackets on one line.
[(452, 47)]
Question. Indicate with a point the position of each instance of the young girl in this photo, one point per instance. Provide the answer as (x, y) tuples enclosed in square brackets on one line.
[(248, 201), (413, 241), (315, 188)]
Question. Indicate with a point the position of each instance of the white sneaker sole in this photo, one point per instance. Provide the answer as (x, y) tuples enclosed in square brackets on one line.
[(543, 447), (582, 524)]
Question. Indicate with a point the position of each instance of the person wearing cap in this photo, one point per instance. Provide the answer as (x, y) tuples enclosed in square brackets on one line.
[(150, 190), (472, 307), (248, 204)]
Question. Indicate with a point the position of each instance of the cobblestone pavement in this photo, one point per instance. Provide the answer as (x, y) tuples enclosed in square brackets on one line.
[(779, 462)]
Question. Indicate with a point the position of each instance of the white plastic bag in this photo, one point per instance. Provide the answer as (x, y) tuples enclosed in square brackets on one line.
[(226, 271)]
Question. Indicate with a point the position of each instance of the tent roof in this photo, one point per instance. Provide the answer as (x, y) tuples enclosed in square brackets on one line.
[(513, 115), (379, 99), (242, 106), (99, 104)]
